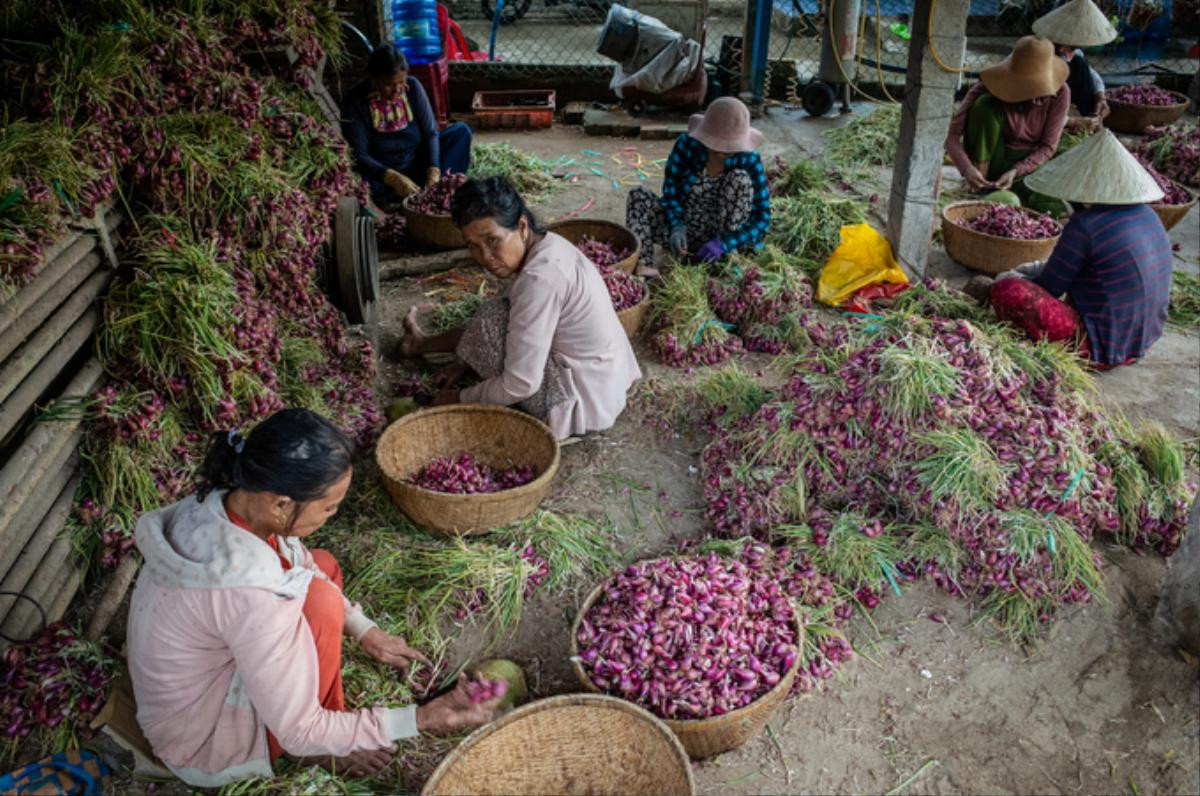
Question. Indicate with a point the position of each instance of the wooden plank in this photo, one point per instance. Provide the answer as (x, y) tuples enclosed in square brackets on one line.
[(33, 459), (25, 298), (44, 588), (32, 351), (33, 316), (43, 520), (15, 408)]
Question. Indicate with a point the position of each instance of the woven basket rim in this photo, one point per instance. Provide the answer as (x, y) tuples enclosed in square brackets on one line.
[(785, 679), (594, 701), (634, 253), (1190, 192), (985, 236), (543, 478), (1184, 101)]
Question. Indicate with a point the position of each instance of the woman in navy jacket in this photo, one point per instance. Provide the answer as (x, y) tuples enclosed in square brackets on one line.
[(393, 133)]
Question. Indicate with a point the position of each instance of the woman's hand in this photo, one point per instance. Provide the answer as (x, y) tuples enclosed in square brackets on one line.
[(432, 175), (677, 241), (454, 712), (976, 180), (711, 251), (399, 183), (389, 649), (447, 397), (449, 375), (1102, 109), (1005, 180), (365, 763)]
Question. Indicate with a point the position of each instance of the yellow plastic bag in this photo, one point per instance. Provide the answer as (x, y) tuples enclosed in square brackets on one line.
[(864, 257)]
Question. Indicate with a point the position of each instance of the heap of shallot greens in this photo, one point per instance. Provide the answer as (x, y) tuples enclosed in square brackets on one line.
[(1175, 151), (228, 174), (51, 685), (526, 171), (942, 447)]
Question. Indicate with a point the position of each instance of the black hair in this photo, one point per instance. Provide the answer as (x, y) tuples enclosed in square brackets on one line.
[(491, 197), (385, 61), (294, 452)]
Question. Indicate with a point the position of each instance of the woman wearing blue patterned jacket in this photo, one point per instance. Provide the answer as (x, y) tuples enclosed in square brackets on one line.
[(715, 198)]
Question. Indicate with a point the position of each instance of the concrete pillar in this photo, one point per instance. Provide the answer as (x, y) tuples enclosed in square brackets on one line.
[(928, 106), (1177, 618)]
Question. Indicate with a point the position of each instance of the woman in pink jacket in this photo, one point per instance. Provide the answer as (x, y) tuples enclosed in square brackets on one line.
[(235, 626)]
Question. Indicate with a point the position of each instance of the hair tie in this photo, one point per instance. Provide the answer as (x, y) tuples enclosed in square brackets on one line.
[(236, 441)]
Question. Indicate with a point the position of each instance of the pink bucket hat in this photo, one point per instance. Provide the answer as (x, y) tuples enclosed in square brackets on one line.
[(725, 127)]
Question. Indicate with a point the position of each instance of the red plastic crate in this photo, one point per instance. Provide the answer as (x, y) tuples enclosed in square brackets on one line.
[(435, 77), (528, 109)]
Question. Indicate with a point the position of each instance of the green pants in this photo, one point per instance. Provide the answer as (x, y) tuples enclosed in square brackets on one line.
[(983, 138)]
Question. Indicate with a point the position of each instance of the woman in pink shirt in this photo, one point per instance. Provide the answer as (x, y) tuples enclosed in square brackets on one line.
[(1010, 122), (235, 627), (552, 345)]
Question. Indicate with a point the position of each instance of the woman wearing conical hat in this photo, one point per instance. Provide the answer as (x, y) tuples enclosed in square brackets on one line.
[(1010, 121), (1113, 262), (1072, 26)]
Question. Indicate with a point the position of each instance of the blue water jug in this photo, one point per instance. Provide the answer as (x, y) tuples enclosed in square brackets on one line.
[(415, 30)]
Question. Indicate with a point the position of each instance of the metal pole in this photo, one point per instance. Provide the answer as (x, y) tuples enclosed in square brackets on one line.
[(756, 39)]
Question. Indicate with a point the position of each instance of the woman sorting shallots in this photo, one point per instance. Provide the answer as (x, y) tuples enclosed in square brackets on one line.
[(552, 345)]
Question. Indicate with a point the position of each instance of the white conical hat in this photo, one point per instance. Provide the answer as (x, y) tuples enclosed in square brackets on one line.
[(1076, 23), (1098, 171)]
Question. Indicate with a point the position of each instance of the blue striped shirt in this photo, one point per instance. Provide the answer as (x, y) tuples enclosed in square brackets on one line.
[(685, 165), (1115, 264)]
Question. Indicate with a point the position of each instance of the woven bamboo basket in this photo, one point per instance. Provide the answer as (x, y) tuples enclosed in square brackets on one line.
[(1170, 215), (494, 435), (568, 745), (433, 232), (711, 736), (631, 318), (604, 231), (989, 254), (1124, 117)]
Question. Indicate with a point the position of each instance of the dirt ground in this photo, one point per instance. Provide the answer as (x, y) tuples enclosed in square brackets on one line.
[(933, 702)]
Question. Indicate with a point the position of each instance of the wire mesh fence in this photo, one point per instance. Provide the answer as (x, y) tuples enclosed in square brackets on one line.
[(559, 37)]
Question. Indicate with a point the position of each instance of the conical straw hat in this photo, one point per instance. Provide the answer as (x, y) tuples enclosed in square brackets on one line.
[(1076, 23), (1098, 171)]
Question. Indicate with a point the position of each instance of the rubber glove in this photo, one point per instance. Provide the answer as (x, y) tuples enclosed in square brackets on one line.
[(432, 175), (399, 183), (711, 251), (677, 242)]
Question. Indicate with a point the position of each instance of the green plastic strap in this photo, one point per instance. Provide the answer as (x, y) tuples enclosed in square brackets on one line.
[(887, 568), (58, 189), (590, 152), (710, 322), (1050, 541), (13, 197)]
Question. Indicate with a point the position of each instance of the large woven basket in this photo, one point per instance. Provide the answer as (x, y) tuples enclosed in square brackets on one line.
[(631, 318), (989, 254), (494, 435), (711, 736), (430, 231), (571, 745), (1124, 117), (604, 231), (1170, 215)]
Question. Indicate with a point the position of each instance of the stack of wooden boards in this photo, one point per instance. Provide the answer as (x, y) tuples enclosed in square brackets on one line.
[(46, 353)]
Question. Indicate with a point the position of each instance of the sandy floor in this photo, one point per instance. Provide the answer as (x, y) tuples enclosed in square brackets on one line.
[(1096, 706)]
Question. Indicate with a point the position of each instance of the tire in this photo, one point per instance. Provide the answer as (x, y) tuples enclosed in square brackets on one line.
[(513, 10)]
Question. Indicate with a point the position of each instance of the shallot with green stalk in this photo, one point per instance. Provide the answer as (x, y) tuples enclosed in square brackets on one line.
[(689, 637)]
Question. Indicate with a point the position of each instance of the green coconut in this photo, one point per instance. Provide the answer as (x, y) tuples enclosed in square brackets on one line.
[(399, 408), (1003, 198), (500, 669)]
